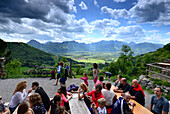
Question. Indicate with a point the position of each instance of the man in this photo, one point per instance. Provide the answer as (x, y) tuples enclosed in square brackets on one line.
[(108, 95), (62, 75), (44, 96), (121, 106), (161, 104), (96, 94), (117, 82), (108, 74), (3, 109), (123, 87), (137, 92)]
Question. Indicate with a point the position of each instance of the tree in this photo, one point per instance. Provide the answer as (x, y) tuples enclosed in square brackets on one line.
[(125, 59), (4, 52)]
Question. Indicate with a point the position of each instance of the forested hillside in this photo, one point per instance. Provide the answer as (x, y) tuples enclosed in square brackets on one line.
[(102, 46), (135, 66), (28, 55)]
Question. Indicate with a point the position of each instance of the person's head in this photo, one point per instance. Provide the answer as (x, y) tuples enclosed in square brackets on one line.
[(35, 85), (58, 63), (98, 88), (85, 74), (35, 99), (119, 77), (123, 81), (57, 99), (135, 82), (158, 91), (60, 110), (108, 85), (84, 87), (23, 108), (20, 86), (63, 90), (101, 102), (61, 64), (126, 97), (0, 99), (101, 78), (95, 65)]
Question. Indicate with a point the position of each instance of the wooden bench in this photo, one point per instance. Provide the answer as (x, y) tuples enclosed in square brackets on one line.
[(78, 106), (138, 109)]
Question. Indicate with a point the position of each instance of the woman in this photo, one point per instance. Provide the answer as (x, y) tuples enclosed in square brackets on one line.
[(85, 91), (95, 72), (55, 103), (24, 109), (36, 104), (19, 95), (63, 93)]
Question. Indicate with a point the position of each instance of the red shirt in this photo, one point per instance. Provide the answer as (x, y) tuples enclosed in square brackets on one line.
[(95, 96)]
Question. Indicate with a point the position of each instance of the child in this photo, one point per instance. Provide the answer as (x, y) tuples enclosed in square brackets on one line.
[(101, 109), (52, 74), (85, 78)]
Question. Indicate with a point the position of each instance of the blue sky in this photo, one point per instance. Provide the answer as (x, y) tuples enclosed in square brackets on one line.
[(85, 20)]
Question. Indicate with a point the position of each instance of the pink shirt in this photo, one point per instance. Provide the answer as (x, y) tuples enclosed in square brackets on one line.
[(98, 82), (63, 99), (85, 80)]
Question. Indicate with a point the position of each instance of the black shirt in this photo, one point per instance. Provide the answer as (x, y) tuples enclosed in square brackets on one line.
[(125, 88), (44, 97), (138, 94)]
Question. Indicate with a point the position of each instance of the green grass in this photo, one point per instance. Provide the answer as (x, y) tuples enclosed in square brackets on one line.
[(91, 60)]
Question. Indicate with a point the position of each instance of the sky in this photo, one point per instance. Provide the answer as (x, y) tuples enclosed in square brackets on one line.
[(85, 21)]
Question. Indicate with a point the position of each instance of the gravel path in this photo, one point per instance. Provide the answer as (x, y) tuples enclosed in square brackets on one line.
[(7, 87)]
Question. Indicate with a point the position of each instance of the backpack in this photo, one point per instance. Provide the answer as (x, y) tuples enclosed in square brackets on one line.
[(72, 87), (117, 106), (62, 73), (66, 73)]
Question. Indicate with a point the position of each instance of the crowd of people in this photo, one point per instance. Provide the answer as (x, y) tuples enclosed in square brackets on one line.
[(101, 100)]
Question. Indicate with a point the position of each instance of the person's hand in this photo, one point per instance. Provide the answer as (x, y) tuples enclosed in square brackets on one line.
[(72, 91), (29, 91), (71, 95), (133, 104)]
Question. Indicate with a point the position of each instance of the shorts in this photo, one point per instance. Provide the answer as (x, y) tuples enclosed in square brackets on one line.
[(58, 76), (62, 80)]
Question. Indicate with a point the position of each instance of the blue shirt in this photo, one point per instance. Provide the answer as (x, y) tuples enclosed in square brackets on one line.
[(160, 105)]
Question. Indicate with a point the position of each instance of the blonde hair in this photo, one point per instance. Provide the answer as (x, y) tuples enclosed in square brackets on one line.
[(35, 99), (102, 101), (20, 86), (85, 86)]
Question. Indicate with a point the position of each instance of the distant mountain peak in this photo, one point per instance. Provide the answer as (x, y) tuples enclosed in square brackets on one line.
[(33, 41)]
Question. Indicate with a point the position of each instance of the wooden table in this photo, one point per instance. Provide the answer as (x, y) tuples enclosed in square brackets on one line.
[(78, 106), (138, 109)]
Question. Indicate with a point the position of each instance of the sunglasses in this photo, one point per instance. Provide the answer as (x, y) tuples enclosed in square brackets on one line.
[(0, 98)]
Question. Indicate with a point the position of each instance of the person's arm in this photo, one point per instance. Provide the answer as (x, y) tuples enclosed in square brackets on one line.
[(119, 91), (150, 107), (165, 108), (82, 78), (6, 111), (163, 112)]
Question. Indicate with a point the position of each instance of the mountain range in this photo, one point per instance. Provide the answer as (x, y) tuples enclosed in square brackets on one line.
[(102, 46)]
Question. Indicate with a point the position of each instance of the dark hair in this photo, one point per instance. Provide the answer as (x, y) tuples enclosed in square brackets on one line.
[(161, 90), (63, 90), (35, 84), (99, 86), (85, 74), (55, 99), (120, 76), (101, 78), (108, 85), (95, 65), (104, 85), (23, 108), (61, 63)]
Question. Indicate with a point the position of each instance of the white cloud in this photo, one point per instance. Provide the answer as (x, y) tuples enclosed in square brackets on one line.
[(83, 6), (96, 4), (100, 24), (168, 33), (152, 31), (115, 13), (152, 11), (119, 0)]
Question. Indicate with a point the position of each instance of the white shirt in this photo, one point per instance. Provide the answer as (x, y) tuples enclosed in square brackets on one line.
[(17, 98), (108, 95), (102, 111)]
